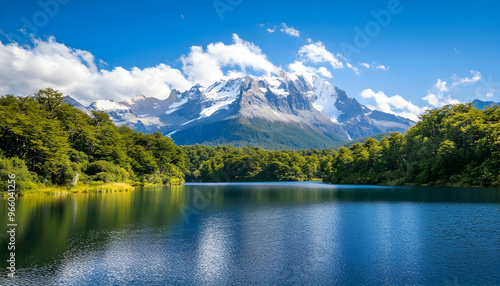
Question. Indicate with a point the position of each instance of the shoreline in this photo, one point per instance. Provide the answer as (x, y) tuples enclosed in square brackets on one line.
[(81, 189)]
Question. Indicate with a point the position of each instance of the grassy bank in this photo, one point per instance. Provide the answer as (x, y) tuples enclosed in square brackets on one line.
[(108, 187)]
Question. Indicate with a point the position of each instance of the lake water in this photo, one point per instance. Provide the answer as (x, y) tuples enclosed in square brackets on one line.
[(258, 234)]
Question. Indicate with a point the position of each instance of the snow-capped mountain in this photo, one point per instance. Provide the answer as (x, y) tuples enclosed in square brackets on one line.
[(280, 111)]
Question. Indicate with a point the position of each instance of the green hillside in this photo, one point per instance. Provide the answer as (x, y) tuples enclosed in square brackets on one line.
[(262, 133)]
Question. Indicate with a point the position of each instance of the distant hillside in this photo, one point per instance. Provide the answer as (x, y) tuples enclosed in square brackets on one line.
[(479, 104)]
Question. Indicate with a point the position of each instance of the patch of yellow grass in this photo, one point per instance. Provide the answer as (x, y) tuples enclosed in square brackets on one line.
[(108, 187)]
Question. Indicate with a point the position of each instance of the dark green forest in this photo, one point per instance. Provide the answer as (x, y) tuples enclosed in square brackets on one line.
[(232, 164), (46, 142), (456, 145)]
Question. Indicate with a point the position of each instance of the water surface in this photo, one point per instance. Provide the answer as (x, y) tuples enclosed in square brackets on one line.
[(259, 234)]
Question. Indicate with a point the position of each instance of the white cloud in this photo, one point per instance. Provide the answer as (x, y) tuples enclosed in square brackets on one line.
[(355, 69), (24, 70), (205, 67), (438, 99), (489, 94), (299, 68), (476, 76), (396, 104), (441, 86), (270, 30), (201, 67), (102, 62), (317, 53), (338, 55), (289, 30), (322, 71), (374, 65), (436, 96), (309, 40)]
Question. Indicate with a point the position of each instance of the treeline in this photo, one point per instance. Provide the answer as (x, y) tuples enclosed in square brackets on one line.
[(45, 142), (232, 164), (455, 145)]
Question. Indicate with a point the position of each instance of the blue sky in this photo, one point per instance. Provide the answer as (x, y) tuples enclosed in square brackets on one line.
[(422, 45)]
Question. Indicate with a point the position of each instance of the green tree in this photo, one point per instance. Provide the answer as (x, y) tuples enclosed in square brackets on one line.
[(49, 98)]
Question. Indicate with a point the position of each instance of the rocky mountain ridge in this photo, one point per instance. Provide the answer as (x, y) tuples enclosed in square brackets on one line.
[(281, 111)]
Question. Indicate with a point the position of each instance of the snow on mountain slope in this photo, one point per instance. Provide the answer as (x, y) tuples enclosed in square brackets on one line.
[(122, 113), (325, 97), (174, 107), (221, 95), (305, 100), (135, 99), (108, 105)]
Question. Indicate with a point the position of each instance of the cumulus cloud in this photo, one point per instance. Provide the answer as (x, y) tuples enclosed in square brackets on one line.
[(382, 67), (200, 66), (365, 65), (205, 67), (317, 53), (441, 86), (436, 96), (396, 104), (300, 68), (438, 99), (289, 30), (26, 69)]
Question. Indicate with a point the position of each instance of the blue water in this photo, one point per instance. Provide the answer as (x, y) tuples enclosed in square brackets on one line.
[(261, 234)]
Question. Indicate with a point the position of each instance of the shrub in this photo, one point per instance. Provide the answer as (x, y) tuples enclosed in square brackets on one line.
[(24, 178)]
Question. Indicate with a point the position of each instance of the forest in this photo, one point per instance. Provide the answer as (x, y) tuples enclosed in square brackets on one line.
[(46, 142), (456, 145)]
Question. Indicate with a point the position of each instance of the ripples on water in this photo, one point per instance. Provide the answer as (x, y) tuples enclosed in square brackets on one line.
[(280, 233)]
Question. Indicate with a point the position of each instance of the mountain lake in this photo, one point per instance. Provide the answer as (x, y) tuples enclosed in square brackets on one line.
[(284, 233)]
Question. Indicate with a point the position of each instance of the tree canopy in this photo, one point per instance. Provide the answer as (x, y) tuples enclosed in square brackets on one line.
[(59, 145)]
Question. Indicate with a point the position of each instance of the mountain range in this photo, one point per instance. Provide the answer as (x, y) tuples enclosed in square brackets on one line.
[(285, 110), (480, 104)]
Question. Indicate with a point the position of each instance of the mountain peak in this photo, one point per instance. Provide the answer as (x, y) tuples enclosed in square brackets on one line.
[(138, 97), (480, 104), (172, 97), (285, 110), (134, 99), (71, 101)]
